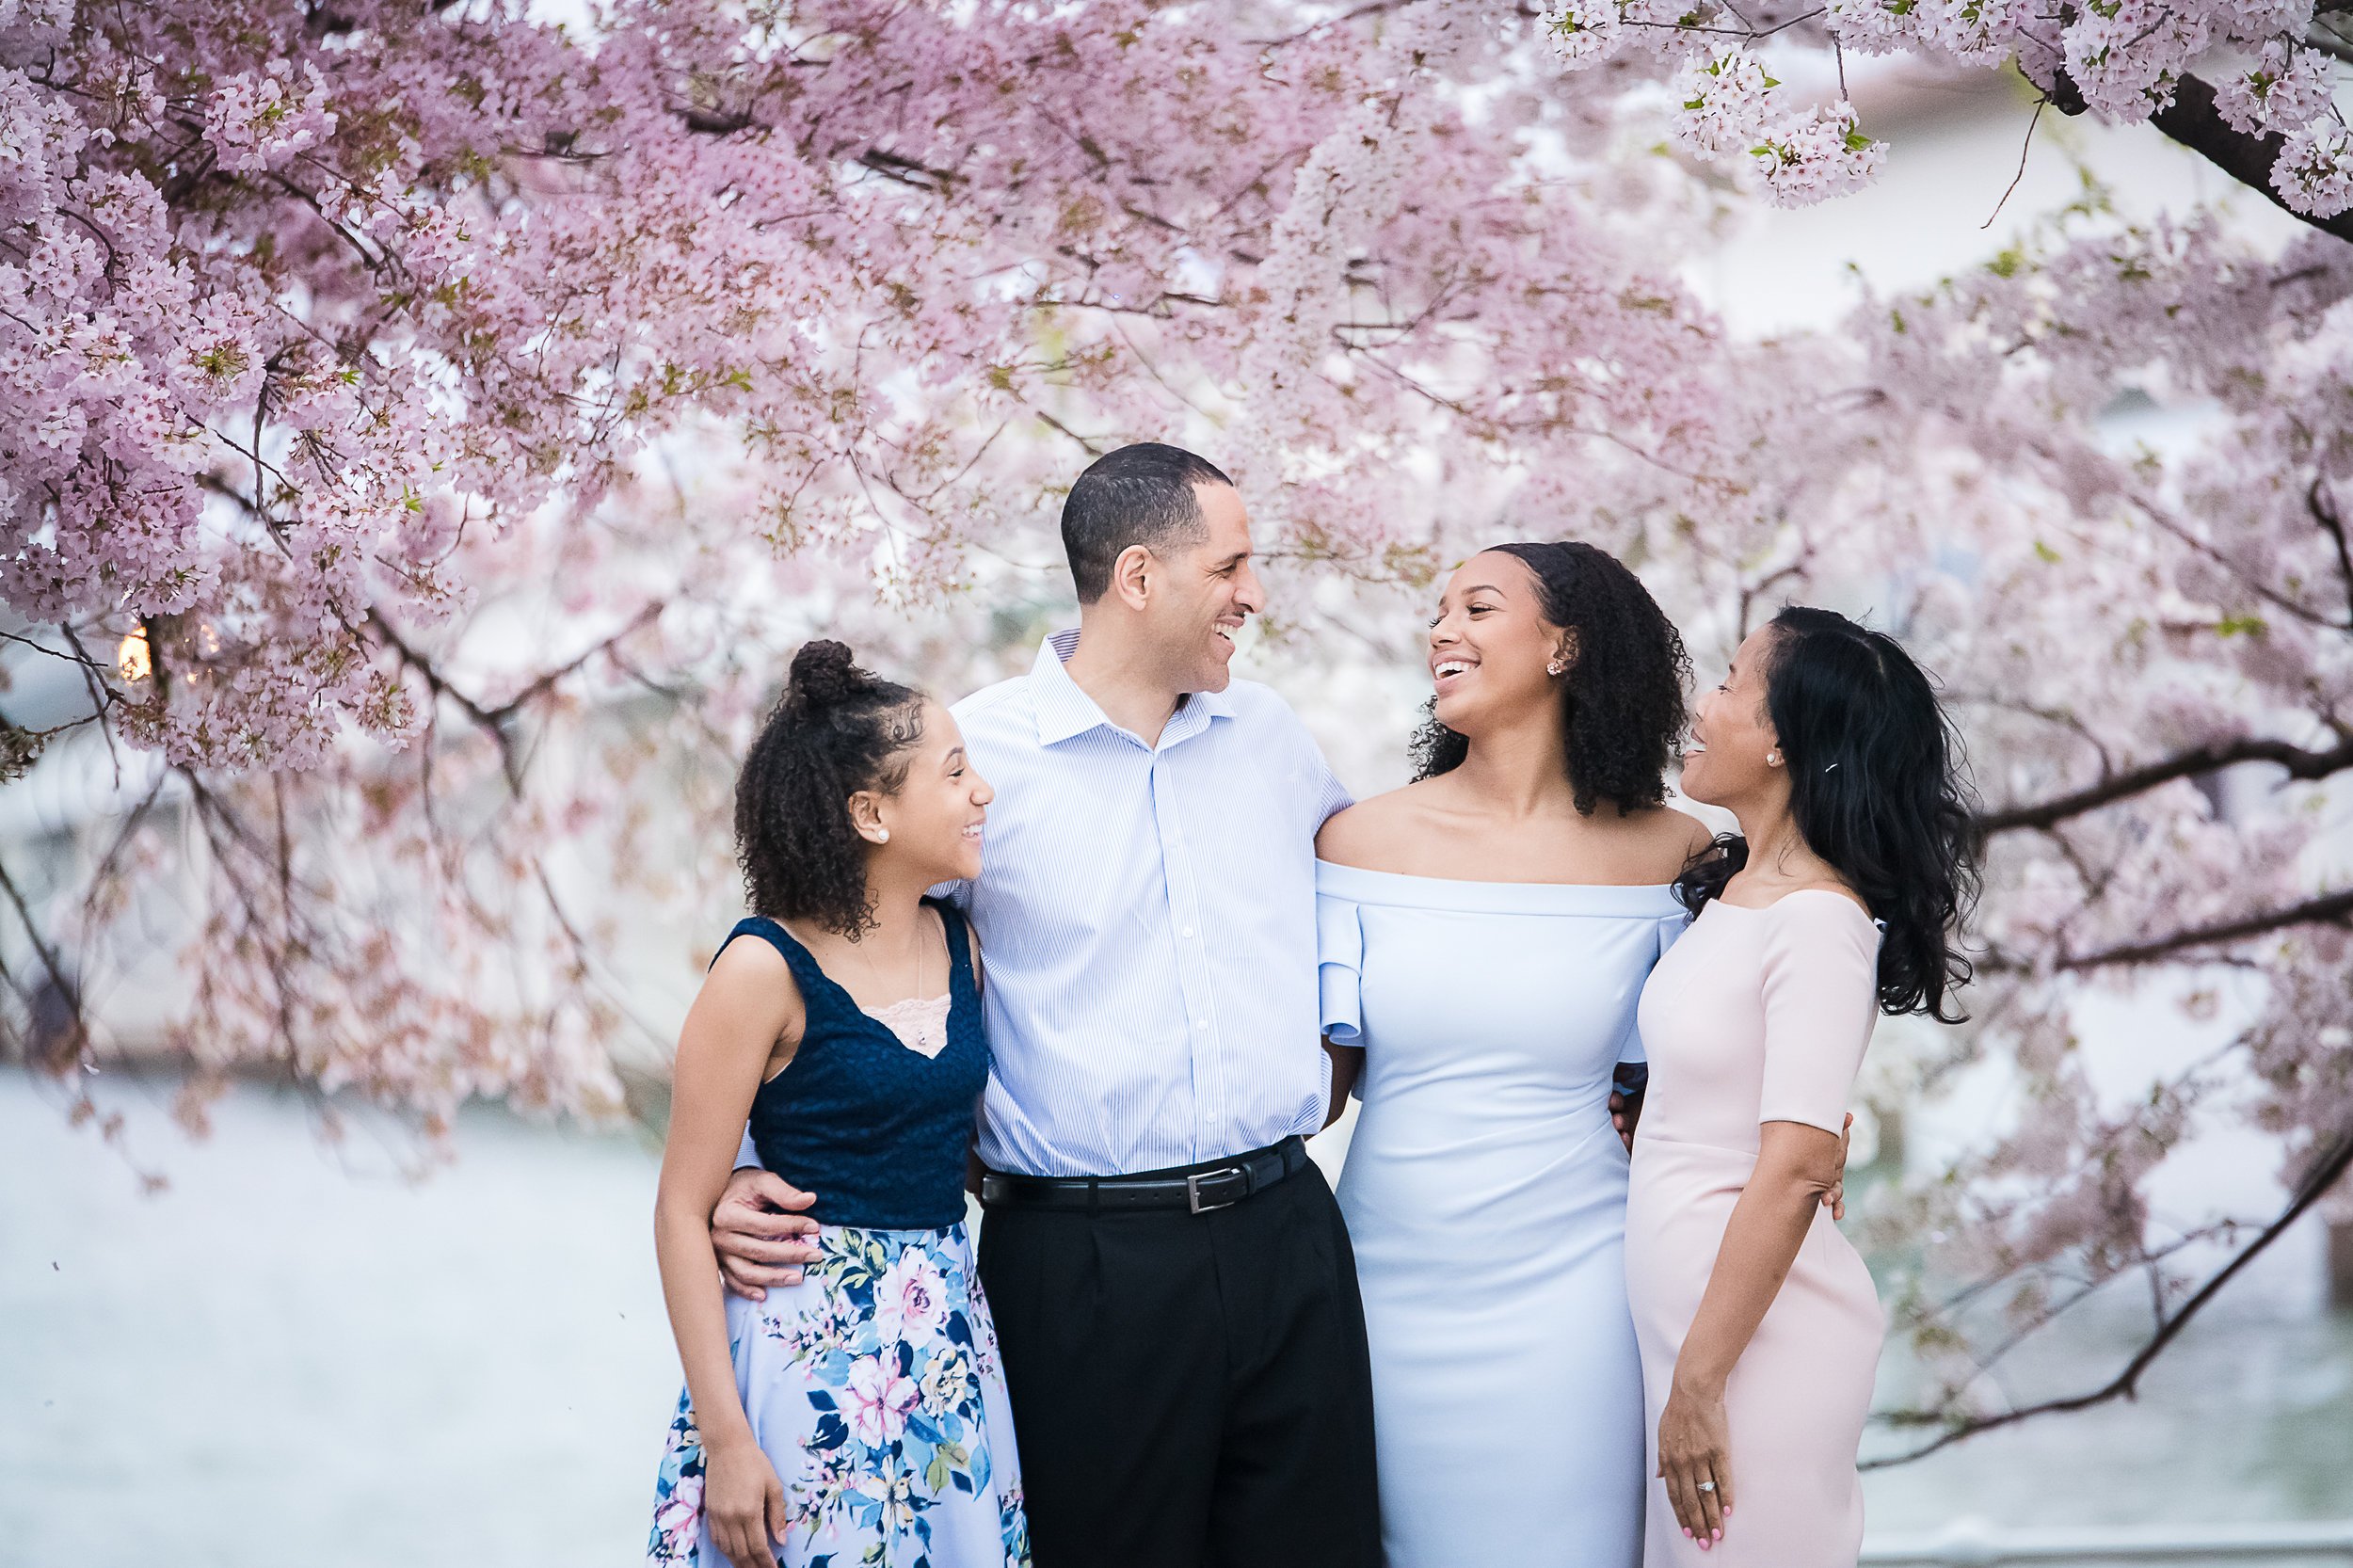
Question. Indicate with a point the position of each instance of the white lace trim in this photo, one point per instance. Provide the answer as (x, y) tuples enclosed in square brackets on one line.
[(921, 1023)]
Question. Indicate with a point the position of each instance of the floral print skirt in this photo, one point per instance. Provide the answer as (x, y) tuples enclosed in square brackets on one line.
[(874, 1387)]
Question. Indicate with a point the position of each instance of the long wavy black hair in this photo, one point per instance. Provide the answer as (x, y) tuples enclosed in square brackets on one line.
[(1622, 693), (1879, 790), (836, 730)]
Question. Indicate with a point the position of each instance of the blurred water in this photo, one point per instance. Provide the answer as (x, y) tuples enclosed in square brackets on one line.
[(293, 1356)]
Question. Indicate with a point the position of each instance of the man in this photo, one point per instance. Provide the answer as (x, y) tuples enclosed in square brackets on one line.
[(1171, 1280)]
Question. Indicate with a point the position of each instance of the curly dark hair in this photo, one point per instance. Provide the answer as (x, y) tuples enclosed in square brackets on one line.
[(1624, 690), (836, 730), (1879, 787)]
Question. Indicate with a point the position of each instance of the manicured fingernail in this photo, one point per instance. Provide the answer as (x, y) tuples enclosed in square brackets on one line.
[(1687, 1535), (1703, 1545), (1717, 1536)]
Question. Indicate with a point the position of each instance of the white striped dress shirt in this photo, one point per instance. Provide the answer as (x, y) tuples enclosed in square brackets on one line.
[(1147, 920)]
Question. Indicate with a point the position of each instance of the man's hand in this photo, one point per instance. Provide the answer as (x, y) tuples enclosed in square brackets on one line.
[(759, 1234), (1629, 1083)]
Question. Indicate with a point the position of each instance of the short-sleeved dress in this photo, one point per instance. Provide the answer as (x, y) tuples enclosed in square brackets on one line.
[(874, 1386), (1756, 1016)]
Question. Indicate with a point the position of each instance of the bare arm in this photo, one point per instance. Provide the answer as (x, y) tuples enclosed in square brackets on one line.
[(746, 1004), (1797, 1169)]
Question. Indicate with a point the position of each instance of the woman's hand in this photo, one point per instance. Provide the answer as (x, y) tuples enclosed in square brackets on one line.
[(1836, 1199), (745, 1502), (1694, 1452)]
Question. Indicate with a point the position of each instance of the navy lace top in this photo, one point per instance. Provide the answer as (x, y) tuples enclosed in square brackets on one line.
[(877, 1130)]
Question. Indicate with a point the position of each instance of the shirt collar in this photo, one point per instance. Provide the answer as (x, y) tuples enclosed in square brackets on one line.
[(1065, 709)]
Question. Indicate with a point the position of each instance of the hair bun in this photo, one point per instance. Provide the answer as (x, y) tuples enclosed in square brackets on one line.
[(824, 672)]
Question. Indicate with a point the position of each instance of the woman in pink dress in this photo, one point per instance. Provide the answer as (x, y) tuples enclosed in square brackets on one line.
[(1758, 1325)]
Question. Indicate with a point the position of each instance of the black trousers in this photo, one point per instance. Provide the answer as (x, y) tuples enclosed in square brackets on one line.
[(1189, 1390)]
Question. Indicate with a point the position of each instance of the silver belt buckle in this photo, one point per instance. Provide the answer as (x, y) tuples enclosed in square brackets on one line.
[(1193, 1189)]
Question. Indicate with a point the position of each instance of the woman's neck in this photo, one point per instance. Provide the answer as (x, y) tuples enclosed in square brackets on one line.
[(1518, 772), (896, 909), (1778, 853)]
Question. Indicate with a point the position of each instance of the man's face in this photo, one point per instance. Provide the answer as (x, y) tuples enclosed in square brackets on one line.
[(1209, 590)]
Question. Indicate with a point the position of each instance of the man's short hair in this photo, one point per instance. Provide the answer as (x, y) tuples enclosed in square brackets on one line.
[(1141, 494)]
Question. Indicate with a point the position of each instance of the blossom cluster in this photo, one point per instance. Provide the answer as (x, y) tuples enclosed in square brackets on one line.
[(2120, 59), (1799, 156)]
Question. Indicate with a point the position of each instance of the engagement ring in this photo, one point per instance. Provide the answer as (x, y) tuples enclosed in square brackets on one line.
[(1707, 1486)]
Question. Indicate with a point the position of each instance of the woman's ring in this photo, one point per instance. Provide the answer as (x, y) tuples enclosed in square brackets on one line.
[(1707, 1486)]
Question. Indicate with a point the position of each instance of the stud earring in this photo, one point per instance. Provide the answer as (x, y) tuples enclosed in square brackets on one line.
[(1772, 758), (1553, 668), (882, 835)]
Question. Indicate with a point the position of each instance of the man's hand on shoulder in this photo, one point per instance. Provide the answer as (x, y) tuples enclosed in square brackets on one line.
[(759, 1233)]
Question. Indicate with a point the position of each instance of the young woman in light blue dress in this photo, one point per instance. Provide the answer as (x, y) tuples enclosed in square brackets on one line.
[(1485, 934)]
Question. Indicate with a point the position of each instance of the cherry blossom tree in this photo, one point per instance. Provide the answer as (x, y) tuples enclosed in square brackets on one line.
[(426, 430)]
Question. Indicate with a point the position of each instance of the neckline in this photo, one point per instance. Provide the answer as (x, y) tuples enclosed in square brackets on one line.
[(1652, 900), (859, 1008), (1851, 903)]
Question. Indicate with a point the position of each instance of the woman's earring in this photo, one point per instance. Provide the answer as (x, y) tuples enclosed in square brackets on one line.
[(1772, 758), (882, 835), (1553, 668)]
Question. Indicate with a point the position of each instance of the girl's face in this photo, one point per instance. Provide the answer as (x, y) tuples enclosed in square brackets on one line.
[(1733, 753), (1490, 648), (933, 819)]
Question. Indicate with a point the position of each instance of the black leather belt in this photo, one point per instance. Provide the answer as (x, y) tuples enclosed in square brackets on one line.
[(1218, 1184)]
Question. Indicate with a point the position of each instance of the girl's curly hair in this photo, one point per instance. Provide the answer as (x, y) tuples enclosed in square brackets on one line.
[(836, 730), (1624, 690)]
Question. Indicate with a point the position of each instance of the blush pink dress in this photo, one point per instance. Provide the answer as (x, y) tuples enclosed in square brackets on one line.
[(1756, 1016)]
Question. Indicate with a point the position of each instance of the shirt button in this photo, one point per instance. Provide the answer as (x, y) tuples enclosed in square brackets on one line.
[(1188, 931)]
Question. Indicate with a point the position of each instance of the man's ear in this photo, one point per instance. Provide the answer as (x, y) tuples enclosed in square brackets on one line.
[(1133, 575)]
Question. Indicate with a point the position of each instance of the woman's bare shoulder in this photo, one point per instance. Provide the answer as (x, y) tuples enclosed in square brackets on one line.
[(1656, 843), (1370, 834)]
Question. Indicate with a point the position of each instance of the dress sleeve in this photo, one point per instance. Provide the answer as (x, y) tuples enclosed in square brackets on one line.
[(1822, 997), (1339, 967), (746, 1155)]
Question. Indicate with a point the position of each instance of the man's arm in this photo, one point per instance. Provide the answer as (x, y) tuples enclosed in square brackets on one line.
[(758, 1231)]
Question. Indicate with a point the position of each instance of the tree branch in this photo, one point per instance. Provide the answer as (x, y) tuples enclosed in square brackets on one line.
[(2300, 763), (2127, 1384), (2192, 119), (2330, 909)]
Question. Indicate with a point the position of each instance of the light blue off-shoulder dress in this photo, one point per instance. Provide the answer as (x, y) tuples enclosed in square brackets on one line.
[(1485, 1196)]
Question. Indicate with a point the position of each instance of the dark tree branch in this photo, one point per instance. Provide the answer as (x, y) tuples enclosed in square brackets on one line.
[(2193, 121), (2323, 506), (59, 975), (2327, 909), (2300, 763), (2324, 1175)]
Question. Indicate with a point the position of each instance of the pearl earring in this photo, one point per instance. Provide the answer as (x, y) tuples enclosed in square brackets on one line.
[(882, 835), (1772, 758)]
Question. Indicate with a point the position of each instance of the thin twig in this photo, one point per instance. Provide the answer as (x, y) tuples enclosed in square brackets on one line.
[(2023, 149)]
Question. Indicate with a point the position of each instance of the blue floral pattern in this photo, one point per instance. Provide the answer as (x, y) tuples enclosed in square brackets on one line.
[(894, 1356)]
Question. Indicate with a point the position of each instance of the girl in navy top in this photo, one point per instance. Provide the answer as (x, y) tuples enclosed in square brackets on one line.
[(858, 1417)]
